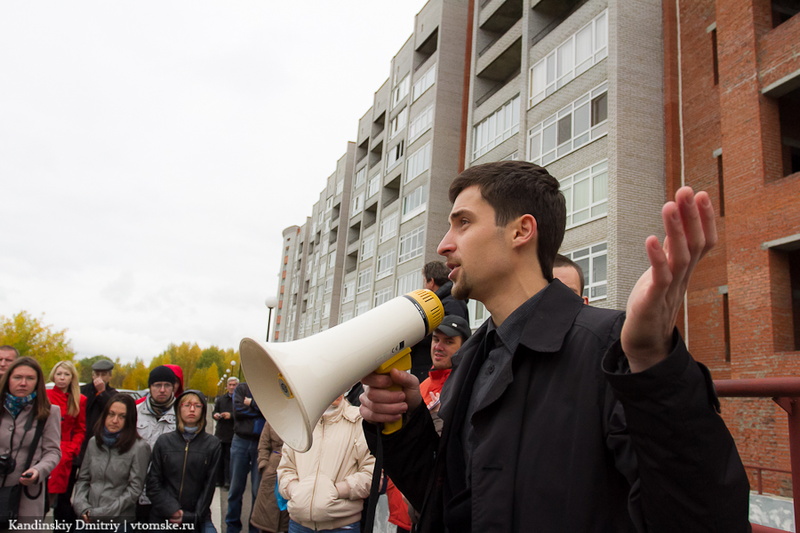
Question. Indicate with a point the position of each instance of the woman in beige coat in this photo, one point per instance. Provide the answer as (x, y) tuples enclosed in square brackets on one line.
[(266, 516), (24, 404), (326, 485)]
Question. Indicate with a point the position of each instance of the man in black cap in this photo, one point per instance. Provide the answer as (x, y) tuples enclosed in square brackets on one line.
[(155, 416)]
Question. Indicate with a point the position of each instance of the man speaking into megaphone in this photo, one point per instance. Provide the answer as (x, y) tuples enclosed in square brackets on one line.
[(558, 416)]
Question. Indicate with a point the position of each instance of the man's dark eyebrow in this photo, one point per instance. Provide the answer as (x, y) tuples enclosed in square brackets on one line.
[(456, 214)]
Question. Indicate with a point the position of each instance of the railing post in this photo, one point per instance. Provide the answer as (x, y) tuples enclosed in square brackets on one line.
[(790, 406)]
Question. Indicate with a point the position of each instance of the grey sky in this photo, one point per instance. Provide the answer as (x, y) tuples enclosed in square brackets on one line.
[(152, 153)]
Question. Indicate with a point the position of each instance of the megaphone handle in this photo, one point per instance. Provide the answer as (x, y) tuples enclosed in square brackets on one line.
[(402, 362)]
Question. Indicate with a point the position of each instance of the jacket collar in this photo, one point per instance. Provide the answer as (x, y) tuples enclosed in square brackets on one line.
[(552, 319)]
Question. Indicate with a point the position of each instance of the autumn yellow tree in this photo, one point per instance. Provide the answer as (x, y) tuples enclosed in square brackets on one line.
[(205, 380), (35, 339)]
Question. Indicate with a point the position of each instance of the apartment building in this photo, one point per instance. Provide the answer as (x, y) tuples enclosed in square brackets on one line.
[(384, 210), (576, 86), (732, 128)]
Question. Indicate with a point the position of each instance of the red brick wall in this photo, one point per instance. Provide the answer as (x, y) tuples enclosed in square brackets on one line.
[(760, 204)]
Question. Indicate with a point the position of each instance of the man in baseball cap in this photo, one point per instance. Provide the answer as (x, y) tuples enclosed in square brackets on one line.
[(445, 341)]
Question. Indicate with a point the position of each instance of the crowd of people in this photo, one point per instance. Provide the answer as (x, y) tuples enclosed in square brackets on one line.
[(552, 416)]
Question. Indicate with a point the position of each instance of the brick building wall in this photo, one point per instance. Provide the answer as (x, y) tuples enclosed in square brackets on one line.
[(723, 135)]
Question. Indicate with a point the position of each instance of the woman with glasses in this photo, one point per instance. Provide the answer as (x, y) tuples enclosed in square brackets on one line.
[(181, 480), (114, 467)]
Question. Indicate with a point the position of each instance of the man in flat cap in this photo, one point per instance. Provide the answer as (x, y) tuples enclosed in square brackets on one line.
[(97, 393)]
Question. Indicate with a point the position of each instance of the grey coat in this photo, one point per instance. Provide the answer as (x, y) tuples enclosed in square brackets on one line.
[(109, 483), (45, 457)]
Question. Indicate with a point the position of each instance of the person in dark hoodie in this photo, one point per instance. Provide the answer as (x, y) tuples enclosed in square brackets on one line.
[(181, 480), (435, 279)]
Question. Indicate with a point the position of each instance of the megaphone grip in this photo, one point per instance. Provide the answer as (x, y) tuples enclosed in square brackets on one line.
[(402, 362)]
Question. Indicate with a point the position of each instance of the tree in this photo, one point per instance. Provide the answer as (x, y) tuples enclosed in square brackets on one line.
[(205, 380), (35, 339)]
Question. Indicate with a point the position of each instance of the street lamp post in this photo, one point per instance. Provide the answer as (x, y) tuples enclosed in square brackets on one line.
[(271, 302)]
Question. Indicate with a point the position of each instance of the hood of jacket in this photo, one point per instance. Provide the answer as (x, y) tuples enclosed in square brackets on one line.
[(343, 410), (203, 400)]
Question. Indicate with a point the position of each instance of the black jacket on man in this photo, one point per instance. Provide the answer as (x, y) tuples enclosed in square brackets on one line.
[(421, 352), (95, 403), (569, 440), (182, 473), (224, 430), (248, 420)]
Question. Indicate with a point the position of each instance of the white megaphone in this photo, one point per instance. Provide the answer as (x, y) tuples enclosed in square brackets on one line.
[(294, 382)]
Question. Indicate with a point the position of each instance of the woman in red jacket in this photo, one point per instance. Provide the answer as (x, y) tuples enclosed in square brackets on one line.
[(67, 396)]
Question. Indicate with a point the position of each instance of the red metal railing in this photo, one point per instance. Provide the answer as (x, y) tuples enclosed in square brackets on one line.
[(786, 393)]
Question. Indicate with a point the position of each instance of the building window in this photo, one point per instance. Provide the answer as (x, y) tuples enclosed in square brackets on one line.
[(364, 280), (398, 122), (358, 204), (385, 264), (477, 313), (339, 186), (362, 307), (328, 284), (411, 244), (415, 202), (388, 227), (720, 182), (395, 153), (582, 121), (368, 247), (586, 193), (714, 56), (570, 59), (783, 10), (789, 110), (345, 316), (326, 310), (400, 90), (361, 177), (421, 123), (496, 128), (418, 162), (593, 262), (424, 83), (374, 185), (409, 282), (348, 292), (382, 296)]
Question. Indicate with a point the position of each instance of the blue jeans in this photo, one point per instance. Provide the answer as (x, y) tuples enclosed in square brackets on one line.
[(244, 459), (208, 527), (294, 527)]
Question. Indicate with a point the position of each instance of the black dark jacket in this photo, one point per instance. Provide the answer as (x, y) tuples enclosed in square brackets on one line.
[(95, 403), (224, 430), (572, 441), (248, 420), (182, 474), (421, 352)]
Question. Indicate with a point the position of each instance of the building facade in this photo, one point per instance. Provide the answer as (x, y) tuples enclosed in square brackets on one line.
[(732, 101), (623, 101)]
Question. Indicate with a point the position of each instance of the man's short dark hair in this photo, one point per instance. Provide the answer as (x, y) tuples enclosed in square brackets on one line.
[(437, 271), (516, 188), (9, 348), (564, 261)]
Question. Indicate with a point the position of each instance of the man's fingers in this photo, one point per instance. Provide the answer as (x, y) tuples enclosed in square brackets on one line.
[(707, 219)]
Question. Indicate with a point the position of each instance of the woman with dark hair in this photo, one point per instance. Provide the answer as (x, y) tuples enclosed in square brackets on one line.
[(67, 396), (27, 416), (114, 468), (181, 481)]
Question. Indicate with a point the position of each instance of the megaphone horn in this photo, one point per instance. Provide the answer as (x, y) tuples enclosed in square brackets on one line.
[(294, 382)]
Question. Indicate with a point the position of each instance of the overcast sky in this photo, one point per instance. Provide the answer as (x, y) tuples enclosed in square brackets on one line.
[(151, 153)]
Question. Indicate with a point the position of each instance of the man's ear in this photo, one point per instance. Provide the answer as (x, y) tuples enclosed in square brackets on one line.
[(524, 230)]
